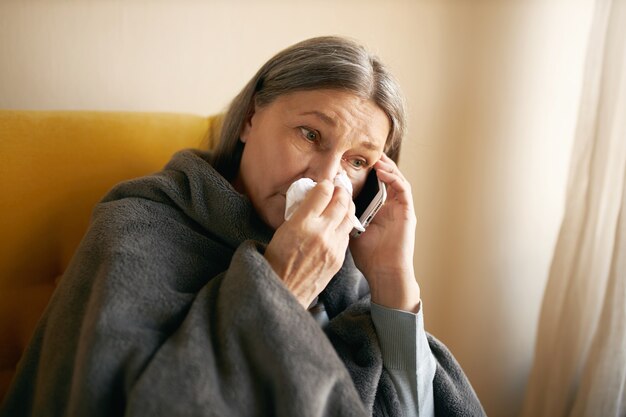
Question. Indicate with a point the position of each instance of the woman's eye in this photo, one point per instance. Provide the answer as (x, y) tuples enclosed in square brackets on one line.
[(358, 163), (310, 135)]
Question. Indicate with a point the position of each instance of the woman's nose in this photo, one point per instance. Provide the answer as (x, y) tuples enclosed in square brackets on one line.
[(323, 168)]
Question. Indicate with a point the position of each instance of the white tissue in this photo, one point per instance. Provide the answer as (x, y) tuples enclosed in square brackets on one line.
[(295, 195), (297, 191)]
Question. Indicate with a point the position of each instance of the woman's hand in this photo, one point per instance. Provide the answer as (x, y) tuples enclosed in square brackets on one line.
[(384, 252), (309, 249)]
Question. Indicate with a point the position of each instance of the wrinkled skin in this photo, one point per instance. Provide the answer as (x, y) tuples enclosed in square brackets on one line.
[(316, 134)]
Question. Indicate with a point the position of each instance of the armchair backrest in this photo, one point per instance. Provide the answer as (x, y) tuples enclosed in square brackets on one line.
[(54, 167)]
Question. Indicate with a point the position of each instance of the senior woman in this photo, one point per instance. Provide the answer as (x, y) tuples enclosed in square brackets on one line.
[(191, 295)]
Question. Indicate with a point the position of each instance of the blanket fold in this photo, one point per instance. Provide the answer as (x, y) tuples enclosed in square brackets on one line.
[(169, 308)]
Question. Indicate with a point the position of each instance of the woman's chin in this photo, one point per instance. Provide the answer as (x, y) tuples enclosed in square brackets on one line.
[(274, 219), (278, 221), (273, 212)]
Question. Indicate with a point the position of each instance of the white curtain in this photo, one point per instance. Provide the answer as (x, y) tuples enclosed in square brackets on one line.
[(580, 355)]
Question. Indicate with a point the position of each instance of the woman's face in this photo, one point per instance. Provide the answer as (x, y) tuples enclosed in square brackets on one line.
[(312, 134)]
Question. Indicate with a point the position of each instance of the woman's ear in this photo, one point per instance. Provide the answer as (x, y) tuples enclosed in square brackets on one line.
[(247, 125)]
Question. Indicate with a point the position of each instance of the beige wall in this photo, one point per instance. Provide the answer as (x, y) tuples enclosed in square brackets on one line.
[(492, 89)]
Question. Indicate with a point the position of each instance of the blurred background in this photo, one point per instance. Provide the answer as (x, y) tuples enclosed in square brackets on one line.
[(493, 92)]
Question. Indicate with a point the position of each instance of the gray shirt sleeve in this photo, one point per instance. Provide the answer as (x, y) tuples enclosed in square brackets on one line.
[(407, 358)]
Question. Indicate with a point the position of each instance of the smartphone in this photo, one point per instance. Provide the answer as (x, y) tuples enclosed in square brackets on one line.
[(369, 201)]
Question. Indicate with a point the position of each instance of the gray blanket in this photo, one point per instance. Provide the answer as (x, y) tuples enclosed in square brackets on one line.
[(169, 308)]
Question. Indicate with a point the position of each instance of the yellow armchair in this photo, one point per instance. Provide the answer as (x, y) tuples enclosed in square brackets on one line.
[(54, 167)]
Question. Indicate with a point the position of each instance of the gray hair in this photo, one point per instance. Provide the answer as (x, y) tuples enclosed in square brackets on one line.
[(327, 62)]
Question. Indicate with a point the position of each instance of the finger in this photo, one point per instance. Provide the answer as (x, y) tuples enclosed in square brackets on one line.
[(398, 188), (387, 164), (338, 207), (347, 224), (316, 200)]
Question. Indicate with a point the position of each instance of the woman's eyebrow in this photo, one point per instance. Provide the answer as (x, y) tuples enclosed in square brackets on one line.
[(369, 145), (330, 121), (322, 116)]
